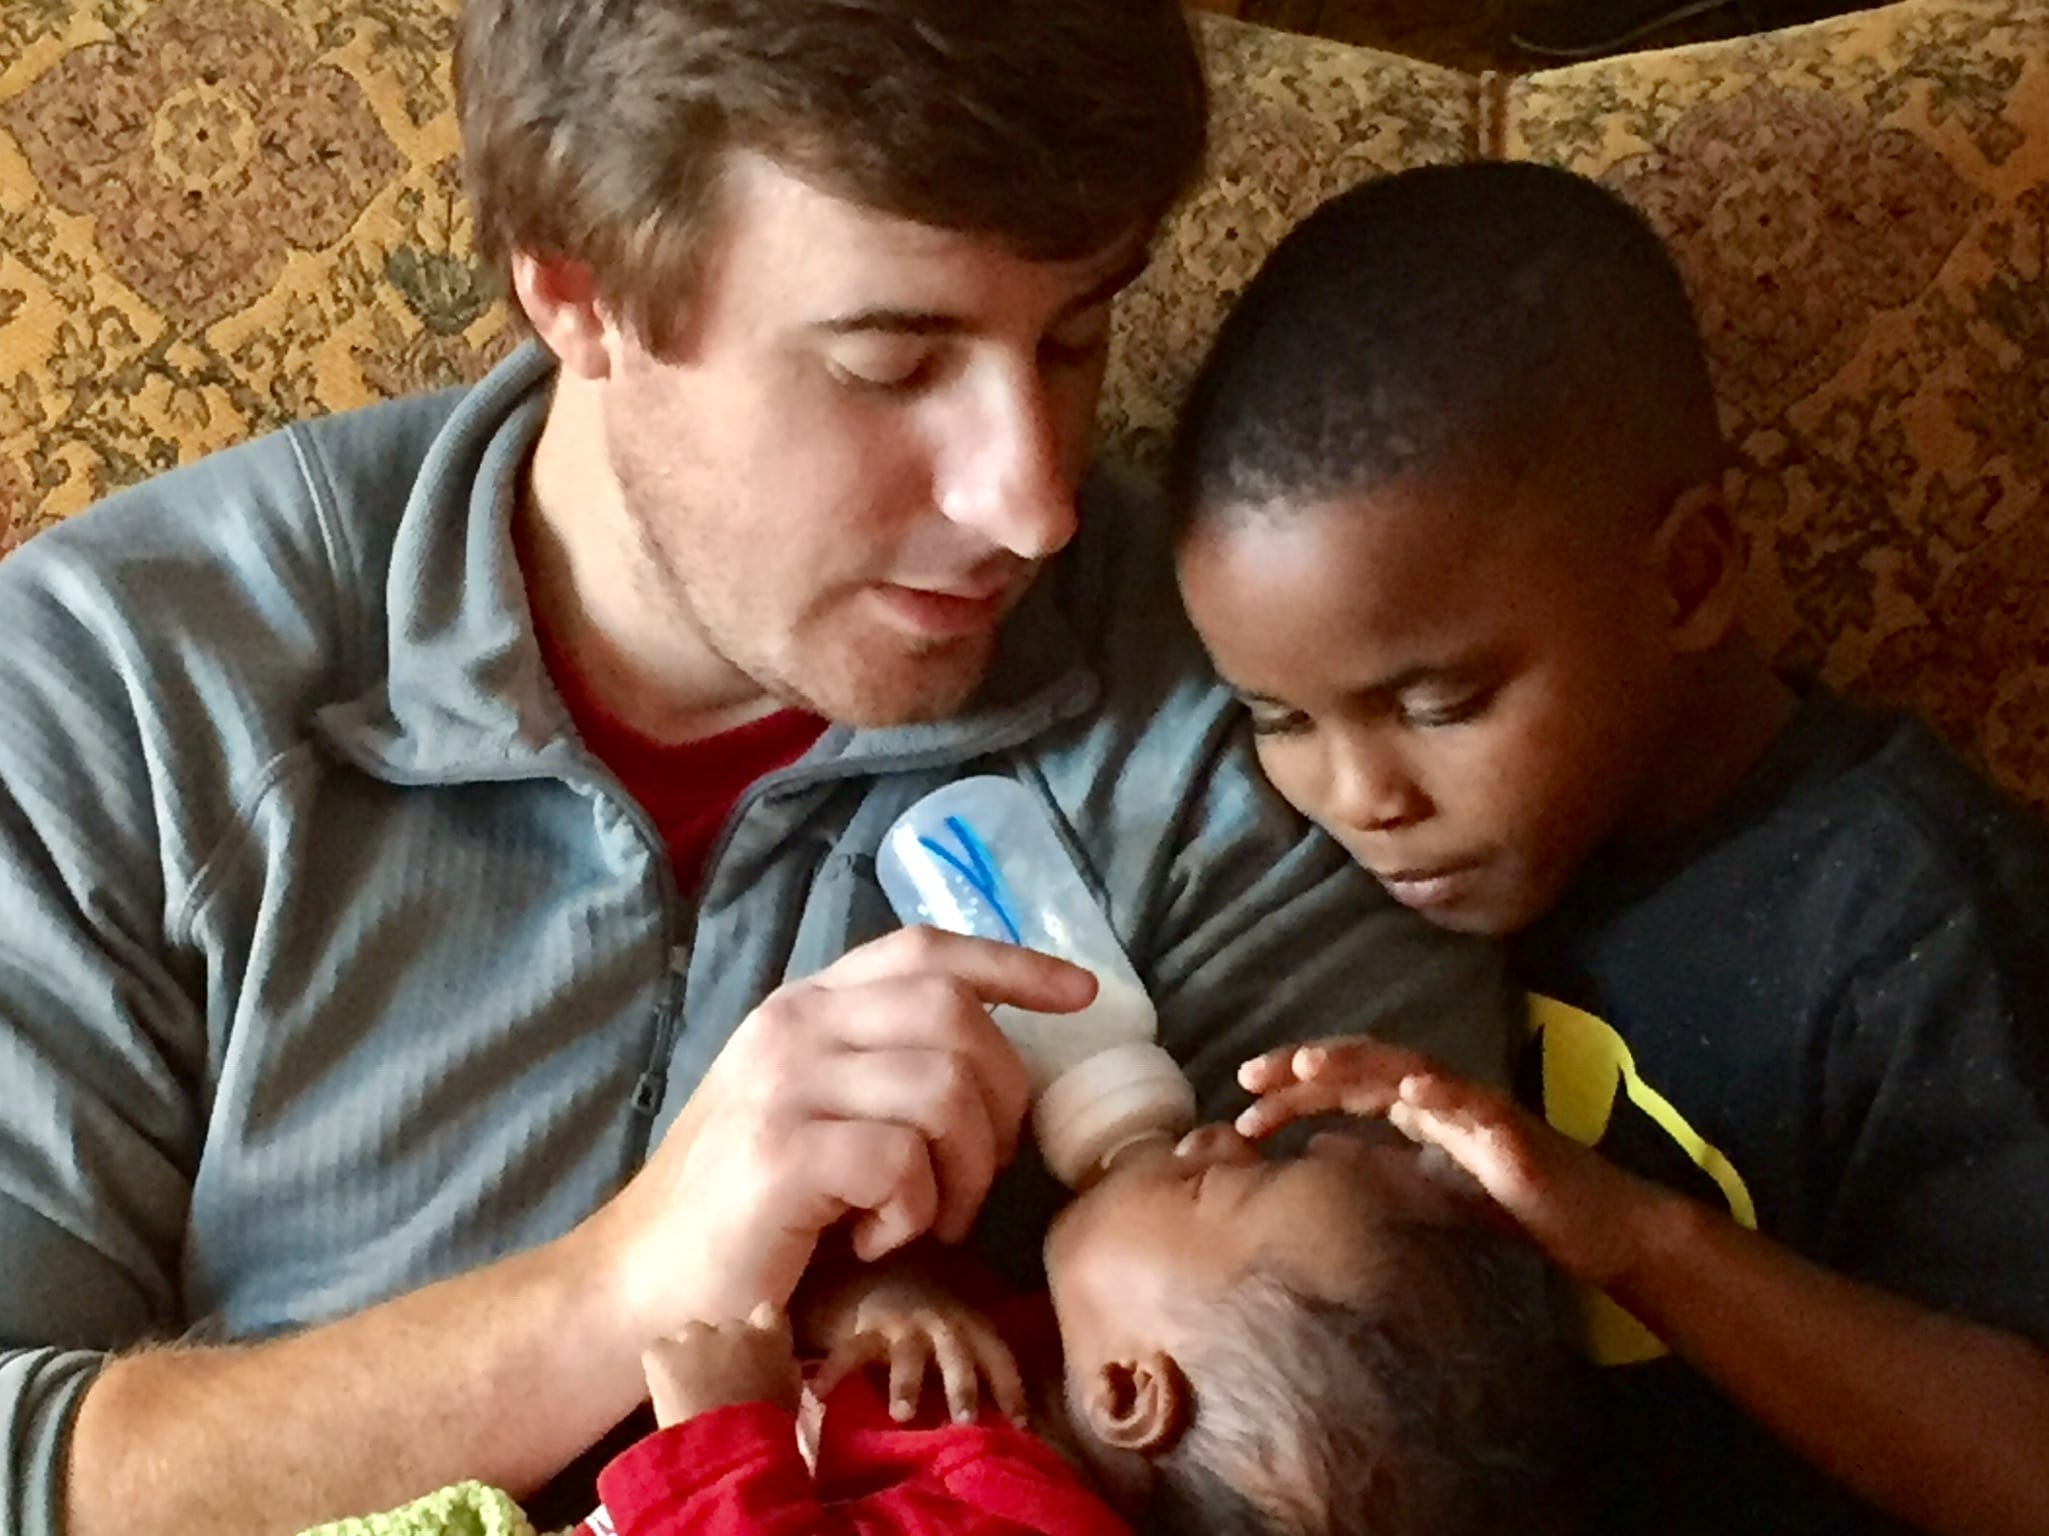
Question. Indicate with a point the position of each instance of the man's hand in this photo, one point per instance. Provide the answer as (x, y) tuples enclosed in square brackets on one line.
[(1583, 1211), (878, 1087), (898, 1316), (715, 1365)]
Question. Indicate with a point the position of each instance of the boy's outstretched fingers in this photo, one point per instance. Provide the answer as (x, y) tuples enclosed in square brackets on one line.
[(1571, 1201), (1354, 1076)]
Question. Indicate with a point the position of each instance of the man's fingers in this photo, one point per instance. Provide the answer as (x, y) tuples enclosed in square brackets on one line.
[(882, 1171), (933, 1013), (938, 1095), (899, 1220), (995, 972)]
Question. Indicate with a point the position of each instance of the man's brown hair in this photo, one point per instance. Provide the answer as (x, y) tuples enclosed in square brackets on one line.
[(596, 130)]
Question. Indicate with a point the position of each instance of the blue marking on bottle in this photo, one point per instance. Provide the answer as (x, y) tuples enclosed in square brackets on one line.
[(978, 869)]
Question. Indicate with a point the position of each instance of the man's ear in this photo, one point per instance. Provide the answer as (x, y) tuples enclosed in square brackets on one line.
[(560, 298), (1142, 1404), (1700, 555)]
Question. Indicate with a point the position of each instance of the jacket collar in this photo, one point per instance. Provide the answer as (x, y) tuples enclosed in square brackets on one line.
[(466, 697)]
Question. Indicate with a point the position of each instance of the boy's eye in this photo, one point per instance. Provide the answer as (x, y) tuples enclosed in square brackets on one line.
[(1274, 720), (880, 362), (1431, 713)]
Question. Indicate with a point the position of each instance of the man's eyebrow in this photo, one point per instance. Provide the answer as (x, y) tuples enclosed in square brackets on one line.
[(933, 322), (900, 322)]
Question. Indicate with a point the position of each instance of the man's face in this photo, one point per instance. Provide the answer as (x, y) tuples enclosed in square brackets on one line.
[(1468, 698), (865, 440)]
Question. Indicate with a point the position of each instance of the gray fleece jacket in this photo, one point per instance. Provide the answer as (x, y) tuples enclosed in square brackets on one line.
[(332, 963)]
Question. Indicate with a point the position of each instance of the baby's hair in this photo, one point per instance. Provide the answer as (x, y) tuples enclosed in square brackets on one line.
[(1438, 1407), (1469, 320)]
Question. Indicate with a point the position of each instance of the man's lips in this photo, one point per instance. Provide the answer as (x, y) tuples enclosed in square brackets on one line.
[(949, 609)]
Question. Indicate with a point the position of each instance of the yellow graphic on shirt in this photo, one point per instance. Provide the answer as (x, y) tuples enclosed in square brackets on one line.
[(1584, 1062)]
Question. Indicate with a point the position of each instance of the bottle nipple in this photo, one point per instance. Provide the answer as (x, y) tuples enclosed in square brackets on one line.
[(1116, 1100)]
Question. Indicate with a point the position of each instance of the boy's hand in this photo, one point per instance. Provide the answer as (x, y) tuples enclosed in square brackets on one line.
[(911, 1326), (716, 1365), (1581, 1209)]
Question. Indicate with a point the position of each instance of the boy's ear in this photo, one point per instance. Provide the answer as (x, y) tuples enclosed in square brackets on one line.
[(1700, 555), (560, 298), (1141, 1404)]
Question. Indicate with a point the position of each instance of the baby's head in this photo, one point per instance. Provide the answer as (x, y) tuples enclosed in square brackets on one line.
[(1317, 1345), (1452, 525)]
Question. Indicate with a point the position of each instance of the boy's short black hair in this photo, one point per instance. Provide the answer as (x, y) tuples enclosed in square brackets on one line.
[(1440, 1406), (1452, 320)]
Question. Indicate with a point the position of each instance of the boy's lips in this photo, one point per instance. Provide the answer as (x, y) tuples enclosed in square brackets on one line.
[(1430, 885)]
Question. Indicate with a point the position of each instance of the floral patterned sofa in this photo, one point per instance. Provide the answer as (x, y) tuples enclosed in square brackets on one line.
[(217, 215)]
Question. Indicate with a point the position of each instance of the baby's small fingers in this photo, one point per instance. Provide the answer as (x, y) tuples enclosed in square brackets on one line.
[(910, 1357), (856, 1354), (827, 1377), (998, 1368), (959, 1375)]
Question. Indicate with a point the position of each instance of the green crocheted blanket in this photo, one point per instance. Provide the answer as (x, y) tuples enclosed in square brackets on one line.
[(466, 1509)]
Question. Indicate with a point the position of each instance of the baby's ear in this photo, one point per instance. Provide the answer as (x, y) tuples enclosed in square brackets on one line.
[(1141, 1404)]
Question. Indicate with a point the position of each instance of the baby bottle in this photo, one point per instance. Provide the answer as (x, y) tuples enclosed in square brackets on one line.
[(979, 858)]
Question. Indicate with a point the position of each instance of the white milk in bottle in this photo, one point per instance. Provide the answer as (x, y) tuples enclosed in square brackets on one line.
[(979, 857)]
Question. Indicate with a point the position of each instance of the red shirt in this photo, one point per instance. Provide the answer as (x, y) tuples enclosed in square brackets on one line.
[(737, 1472), (690, 789)]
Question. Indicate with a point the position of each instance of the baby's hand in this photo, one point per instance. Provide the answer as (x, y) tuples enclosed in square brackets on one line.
[(715, 1365), (911, 1327), (1581, 1209)]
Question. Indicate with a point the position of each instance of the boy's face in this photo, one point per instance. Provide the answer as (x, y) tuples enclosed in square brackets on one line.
[(1167, 1229), (1467, 692)]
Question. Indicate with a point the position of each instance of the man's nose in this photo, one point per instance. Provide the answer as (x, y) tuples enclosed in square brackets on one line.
[(1007, 476)]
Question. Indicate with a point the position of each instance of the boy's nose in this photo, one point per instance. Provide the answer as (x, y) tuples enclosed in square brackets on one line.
[(1372, 789)]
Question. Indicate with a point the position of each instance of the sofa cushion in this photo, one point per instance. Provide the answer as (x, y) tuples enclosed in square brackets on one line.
[(1861, 209), (224, 214)]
